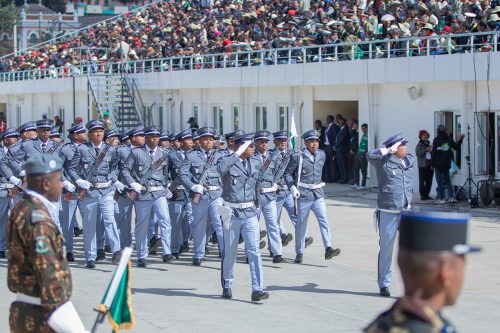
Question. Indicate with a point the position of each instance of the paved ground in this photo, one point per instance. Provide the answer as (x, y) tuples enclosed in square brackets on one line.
[(318, 296)]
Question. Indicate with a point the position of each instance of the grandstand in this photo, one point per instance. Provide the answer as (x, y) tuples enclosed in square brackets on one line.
[(239, 64)]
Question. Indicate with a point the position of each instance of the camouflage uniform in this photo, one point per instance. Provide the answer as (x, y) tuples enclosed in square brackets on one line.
[(410, 315), (37, 266)]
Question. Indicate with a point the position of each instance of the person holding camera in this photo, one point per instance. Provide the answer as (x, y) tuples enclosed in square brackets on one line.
[(423, 150)]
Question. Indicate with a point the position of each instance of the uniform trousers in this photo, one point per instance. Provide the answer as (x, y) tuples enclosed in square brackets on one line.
[(202, 212), (250, 231), (68, 220), (124, 220), (4, 210), (319, 210), (273, 230), (90, 207), (287, 203), (187, 221), (177, 209), (144, 209), (388, 224)]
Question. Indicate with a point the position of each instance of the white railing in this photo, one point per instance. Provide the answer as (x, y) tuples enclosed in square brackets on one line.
[(387, 48)]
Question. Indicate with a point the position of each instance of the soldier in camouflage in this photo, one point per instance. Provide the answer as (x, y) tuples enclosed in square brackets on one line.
[(38, 272)]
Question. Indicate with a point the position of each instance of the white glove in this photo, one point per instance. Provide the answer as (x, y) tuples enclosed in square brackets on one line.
[(242, 148), (384, 151), (394, 148), (68, 186), (15, 181), (197, 188), (136, 187), (295, 192), (169, 194), (65, 319), (119, 186), (82, 183), (22, 173)]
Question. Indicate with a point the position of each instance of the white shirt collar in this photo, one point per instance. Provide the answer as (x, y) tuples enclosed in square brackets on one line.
[(51, 207), (100, 145), (308, 154), (149, 149)]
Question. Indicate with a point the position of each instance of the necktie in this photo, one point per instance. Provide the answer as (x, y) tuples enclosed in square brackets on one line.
[(96, 151), (44, 147), (247, 166), (151, 153)]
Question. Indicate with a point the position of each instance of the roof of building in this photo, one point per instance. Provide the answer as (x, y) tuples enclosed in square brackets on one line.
[(35, 8)]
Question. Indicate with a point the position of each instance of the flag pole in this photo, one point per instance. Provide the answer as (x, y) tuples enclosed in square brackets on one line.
[(113, 286)]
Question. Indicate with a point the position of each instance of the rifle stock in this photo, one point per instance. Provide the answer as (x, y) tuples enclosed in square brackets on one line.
[(82, 193), (132, 195), (13, 191), (196, 198), (68, 196), (296, 206), (116, 196)]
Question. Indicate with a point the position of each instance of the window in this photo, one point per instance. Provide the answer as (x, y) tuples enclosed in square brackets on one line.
[(236, 117), (160, 116), (33, 39), (18, 114), (482, 156), (497, 143), (260, 117), (195, 112), (283, 117), (443, 118), (218, 118)]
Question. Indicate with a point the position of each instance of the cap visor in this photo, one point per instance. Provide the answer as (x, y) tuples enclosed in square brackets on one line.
[(462, 249)]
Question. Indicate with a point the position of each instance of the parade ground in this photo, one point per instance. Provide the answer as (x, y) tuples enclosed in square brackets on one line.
[(339, 295)]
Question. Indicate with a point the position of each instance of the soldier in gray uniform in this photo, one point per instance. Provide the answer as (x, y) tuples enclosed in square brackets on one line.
[(202, 163), (78, 136), (394, 168), (164, 140), (230, 142), (146, 172), (180, 204), (303, 177), (94, 170), (9, 137), (239, 172)]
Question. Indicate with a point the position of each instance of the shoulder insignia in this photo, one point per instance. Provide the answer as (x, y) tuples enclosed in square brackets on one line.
[(42, 245), (38, 215)]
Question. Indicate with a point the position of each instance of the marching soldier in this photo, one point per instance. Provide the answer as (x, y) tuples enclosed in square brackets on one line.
[(230, 142), (266, 194), (303, 177), (239, 172), (394, 169), (180, 205), (432, 249), (164, 140), (55, 135), (146, 171), (284, 198), (111, 137), (9, 137), (37, 271), (94, 170), (77, 136), (198, 173)]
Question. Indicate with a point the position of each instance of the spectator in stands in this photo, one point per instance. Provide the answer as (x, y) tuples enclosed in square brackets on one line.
[(423, 150)]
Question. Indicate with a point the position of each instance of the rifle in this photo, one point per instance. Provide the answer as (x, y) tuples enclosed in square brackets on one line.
[(204, 174), (282, 167), (262, 171), (132, 195), (299, 172), (92, 172), (13, 191), (54, 148)]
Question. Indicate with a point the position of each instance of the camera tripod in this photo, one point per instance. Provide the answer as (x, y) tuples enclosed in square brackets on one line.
[(474, 202)]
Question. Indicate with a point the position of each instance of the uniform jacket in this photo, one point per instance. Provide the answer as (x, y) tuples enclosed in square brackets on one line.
[(395, 184), (239, 183), (3, 180), (192, 168), (85, 158), (312, 167), (67, 154), (283, 189), (176, 159), (267, 178), (123, 152), (139, 162)]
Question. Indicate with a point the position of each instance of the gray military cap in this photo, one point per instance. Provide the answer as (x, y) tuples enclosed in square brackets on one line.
[(42, 164)]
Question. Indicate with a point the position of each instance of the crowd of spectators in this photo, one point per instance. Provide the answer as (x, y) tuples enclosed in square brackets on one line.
[(200, 28)]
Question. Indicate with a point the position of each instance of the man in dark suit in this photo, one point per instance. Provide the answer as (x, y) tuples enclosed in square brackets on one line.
[(328, 142), (318, 126), (341, 150)]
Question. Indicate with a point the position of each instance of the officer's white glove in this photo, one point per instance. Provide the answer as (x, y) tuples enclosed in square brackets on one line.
[(119, 186), (82, 183), (169, 194), (136, 187), (197, 188), (15, 181), (242, 148), (68, 186), (22, 173), (295, 192), (394, 148)]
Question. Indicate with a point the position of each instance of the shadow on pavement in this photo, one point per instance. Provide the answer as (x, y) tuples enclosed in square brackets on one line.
[(312, 288)]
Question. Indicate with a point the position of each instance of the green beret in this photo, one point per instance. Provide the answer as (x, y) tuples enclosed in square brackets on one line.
[(41, 164)]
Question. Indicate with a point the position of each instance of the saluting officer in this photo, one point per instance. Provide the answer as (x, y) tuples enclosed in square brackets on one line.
[(284, 197), (94, 170), (239, 172), (192, 169), (267, 193), (77, 136), (230, 142), (146, 171), (306, 186), (9, 137), (180, 204), (38, 272), (394, 168)]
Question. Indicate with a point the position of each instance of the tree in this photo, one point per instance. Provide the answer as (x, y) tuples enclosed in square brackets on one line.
[(8, 16), (59, 6)]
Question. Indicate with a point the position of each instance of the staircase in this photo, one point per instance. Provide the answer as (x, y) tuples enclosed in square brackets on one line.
[(118, 95)]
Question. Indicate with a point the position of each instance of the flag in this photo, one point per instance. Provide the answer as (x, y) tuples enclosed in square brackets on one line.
[(293, 130), (117, 301)]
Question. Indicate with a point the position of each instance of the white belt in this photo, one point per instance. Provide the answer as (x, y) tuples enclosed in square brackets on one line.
[(312, 186), (212, 188), (20, 297), (7, 185), (240, 205), (154, 188), (180, 187), (101, 185), (268, 189), (282, 187)]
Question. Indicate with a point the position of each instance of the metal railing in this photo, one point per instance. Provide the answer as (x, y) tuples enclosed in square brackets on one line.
[(387, 48), (133, 91)]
